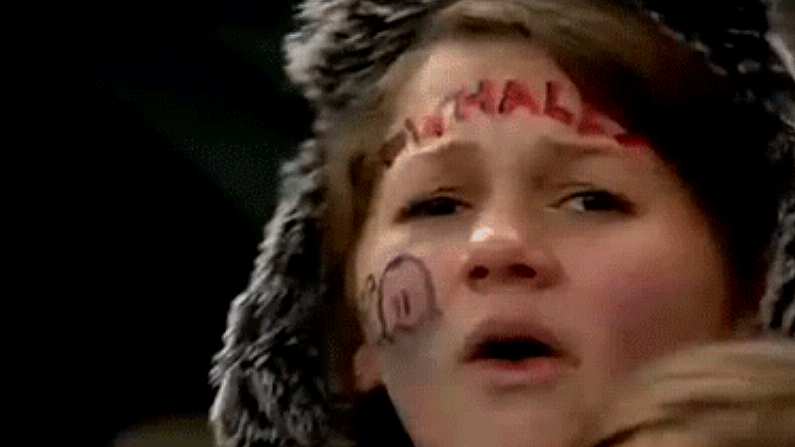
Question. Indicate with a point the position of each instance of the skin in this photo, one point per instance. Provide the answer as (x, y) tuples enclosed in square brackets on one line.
[(539, 219), (406, 297), (514, 95)]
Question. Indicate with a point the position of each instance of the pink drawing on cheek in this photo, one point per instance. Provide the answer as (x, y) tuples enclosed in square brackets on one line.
[(553, 108), (484, 100), (406, 296), (516, 95), (432, 126)]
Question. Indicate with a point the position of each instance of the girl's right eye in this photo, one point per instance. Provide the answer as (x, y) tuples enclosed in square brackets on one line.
[(432, 207)]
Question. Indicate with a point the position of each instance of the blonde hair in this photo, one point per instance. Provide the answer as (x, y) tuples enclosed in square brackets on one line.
[(729, 394)]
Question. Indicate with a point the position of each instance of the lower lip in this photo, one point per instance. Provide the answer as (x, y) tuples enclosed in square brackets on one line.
[(530, 372)]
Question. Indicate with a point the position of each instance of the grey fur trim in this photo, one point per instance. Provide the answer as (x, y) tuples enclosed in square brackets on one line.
[(778, 305), (343, 44), (271, 378), (272, 386), (777, 309)]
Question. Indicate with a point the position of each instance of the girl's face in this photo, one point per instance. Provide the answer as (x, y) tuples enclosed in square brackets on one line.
[(522, 252)]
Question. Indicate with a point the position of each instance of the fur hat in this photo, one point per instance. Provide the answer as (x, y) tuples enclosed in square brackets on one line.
[(272, 388)]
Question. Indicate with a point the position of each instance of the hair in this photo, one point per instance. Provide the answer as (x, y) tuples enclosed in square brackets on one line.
[(660, 88), (730, 394)]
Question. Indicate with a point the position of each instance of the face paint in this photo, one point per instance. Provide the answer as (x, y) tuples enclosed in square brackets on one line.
[(515, 95), (631, 141), (590, 124), (484, 100), (553, 109), (412, 129), (392, 148), (406, 297), (432, 126)]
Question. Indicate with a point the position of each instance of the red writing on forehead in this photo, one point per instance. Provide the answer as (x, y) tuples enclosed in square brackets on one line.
[(412, 128), (590, 123), (514, 96), (432, 126), (631, 141), (392, 148), (484, 100), (553, 108)]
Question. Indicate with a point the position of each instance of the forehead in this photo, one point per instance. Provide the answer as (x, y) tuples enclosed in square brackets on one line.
[(455, 63), (495, 89)]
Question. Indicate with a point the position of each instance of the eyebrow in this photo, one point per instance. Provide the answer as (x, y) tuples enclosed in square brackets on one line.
[(567, 150), (447, 149), (573, 150)]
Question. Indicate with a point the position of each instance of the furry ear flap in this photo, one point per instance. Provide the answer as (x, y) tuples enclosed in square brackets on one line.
[(777, 309), (780, 48), (271, 378), (778, 305), (342, 44)]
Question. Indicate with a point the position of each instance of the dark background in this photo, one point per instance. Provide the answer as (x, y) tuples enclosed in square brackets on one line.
[(181, 132), (181, 129)]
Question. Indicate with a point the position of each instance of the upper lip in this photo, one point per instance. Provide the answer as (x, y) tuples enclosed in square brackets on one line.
[(507, 330)]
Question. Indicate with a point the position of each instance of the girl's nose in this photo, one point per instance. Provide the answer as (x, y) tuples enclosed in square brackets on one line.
[(502, 260)]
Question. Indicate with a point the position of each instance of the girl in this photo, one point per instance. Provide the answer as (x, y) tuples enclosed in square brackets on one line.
[(508, 206)]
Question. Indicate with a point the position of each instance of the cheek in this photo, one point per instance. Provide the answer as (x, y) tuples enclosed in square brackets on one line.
[(646, 299), (402, 296), (647, 318), (407, 295)]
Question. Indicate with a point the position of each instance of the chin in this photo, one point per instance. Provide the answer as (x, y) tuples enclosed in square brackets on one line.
[(530, 433), (506, 421)]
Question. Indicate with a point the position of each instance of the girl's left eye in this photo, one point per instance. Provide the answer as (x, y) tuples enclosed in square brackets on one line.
[(432, 207), (596, 201)]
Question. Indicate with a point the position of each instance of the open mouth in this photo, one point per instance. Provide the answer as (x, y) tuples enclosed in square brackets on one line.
[(509, 353), (509, 341), (510, 349)]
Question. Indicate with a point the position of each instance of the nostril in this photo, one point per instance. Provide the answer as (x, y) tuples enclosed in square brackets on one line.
[(479, 272), (522, 271)]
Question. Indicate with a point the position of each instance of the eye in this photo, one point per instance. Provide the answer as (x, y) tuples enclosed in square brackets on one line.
[(432, 207), (597, 201)]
